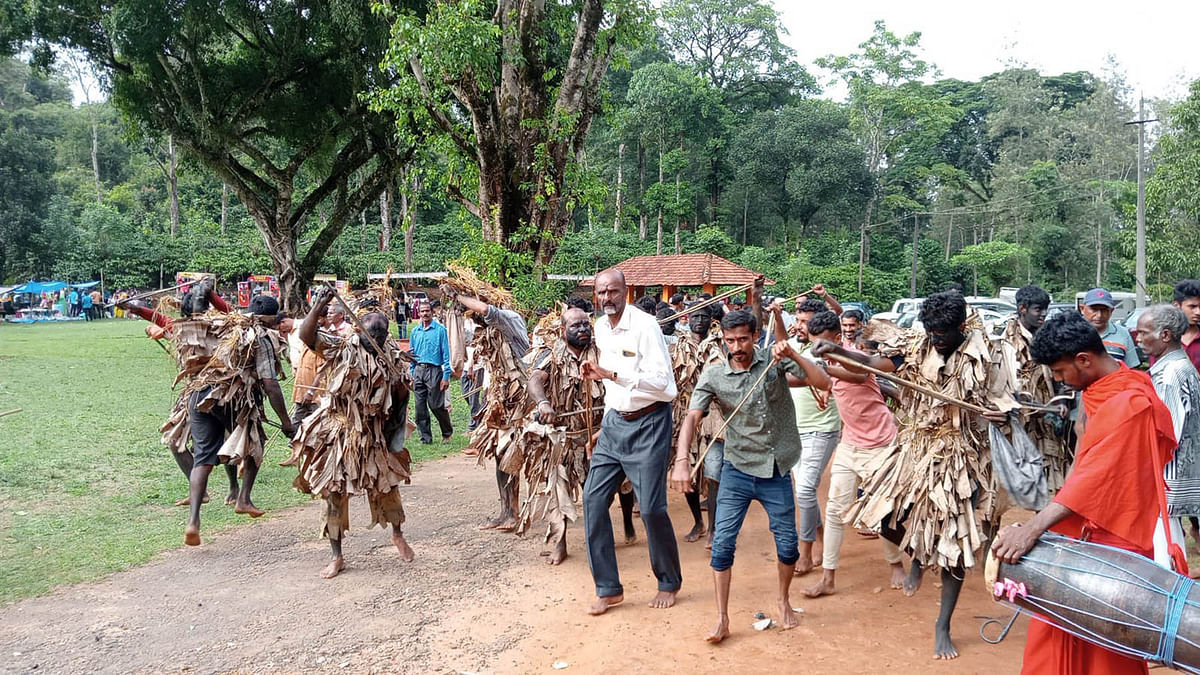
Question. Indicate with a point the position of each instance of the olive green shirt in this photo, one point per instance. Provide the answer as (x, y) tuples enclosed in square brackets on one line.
[(763, 435)]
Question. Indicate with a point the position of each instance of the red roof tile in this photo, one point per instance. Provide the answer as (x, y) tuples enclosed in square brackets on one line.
[(687, 269)]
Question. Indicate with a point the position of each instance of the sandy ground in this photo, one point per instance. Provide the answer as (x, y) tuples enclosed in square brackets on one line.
[(251, 600)]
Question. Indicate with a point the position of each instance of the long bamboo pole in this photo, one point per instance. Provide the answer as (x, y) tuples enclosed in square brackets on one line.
[(147, 294), (705, 303), (905, 383), (387, 358)]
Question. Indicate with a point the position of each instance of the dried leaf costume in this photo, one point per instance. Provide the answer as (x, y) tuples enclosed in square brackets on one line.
[(555, 456), (1036, 380), (194, 342), (352, 443), (938, 476), (689, 356), (230, 380)]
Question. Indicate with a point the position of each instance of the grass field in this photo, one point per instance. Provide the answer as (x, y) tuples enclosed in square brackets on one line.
[(86, 488)]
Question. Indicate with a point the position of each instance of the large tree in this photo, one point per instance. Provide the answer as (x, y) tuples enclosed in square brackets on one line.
[(510, 88), (266, 94)]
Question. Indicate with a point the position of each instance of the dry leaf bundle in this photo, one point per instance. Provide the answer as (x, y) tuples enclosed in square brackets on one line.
[(464, 280), (343, 446), (506, 403), (689, 357), (231, 381), (941, 456), (554, 457), (378, 296), (545, 333), (193, 341), (1036, 380), (167, 304)]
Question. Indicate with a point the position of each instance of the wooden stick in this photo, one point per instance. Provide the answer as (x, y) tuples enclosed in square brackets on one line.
[(745, 397), (10, 412), (905, 383), (150, 293), (463, 396), (705, 303), (578, 412), (797, 296)]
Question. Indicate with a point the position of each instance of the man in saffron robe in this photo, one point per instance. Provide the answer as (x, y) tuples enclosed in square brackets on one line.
[(1113, 494)]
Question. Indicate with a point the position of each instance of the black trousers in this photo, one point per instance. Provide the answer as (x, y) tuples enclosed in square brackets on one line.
[(641, 450), (427, 381)]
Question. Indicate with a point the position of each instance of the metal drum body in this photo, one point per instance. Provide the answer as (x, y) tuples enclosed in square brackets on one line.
[(1110, 597)]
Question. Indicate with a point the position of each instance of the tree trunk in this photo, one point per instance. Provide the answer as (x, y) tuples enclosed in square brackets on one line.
[(620, 165), (224, 206), (678, 217), (362, 231), (862, 241), (385, 219), (745, 215), (409, 209), (658, 246), (641, 152), (173, 183), (949, 236), (96, 154), (912, 284)]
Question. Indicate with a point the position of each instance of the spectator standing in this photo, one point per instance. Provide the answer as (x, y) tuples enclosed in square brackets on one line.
[(1097, 308), (1187, 299), (85, 306)]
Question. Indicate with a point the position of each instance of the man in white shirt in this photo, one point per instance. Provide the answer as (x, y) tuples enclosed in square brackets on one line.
[(634, 442)]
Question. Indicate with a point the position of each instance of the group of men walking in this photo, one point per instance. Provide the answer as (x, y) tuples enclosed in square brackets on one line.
[(607, 408)]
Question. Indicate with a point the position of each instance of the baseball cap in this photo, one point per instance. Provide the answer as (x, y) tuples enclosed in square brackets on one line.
[(1098, 296), (264, 304)]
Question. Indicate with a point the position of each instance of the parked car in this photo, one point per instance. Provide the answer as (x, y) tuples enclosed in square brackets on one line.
[(1130, 324), (993, 304), (861, 306), (900, 308), (1060, 307)]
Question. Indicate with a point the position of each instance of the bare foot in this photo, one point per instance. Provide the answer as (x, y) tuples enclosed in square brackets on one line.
[(697, 532), (493, 523), (333, 568), (602, 604), (898, 575), (231, 499), (788, 618), (867, 534), (191, 535), (912, 584), (630, 538), (291, 461), (402, 547), (804, 566), (558, 555), (187, 501), (822, 587), (943, 646), (248, 509), (719, 632), (507, 525), (708, 545), (470, 452), (664, 599)]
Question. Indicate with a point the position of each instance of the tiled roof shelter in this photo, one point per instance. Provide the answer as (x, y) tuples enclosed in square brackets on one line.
[(705, 270)]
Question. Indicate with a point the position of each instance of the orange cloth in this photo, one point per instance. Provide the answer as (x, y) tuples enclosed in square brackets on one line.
[(1111, 490), (305, 377)]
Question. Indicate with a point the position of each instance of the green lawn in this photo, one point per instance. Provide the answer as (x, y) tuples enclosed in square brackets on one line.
[(86, 488)]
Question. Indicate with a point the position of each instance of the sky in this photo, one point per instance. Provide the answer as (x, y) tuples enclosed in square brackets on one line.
[(1154, 43)]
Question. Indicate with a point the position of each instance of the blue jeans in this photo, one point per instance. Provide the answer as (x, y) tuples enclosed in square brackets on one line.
[(714, 460), (733, 500)]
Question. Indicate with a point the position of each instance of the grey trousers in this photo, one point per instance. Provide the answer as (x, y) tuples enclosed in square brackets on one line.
[(641, 451), (427, 382)]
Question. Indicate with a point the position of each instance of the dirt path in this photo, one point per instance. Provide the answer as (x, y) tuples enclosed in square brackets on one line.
[(250, 601)]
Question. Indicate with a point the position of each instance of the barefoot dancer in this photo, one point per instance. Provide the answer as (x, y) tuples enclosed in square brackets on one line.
[(690, 355), (555, 449), (634, 441), (191, 351), (225, 407), (353, 442), (761, 446), (501, 341), (868, 431), (931, 493)]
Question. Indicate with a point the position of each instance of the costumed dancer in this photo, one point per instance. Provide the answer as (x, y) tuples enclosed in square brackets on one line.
[(501, 342), (192, 345), (225, 408), (1113, 493), (934, 491), (1035, 382), (353, 443), (690, 355), (555, 448)]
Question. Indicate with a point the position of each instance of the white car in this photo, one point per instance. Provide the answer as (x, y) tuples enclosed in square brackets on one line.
[(900, 308)]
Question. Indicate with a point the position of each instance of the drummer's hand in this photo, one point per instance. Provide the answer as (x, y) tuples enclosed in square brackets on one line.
[(1013, 542)]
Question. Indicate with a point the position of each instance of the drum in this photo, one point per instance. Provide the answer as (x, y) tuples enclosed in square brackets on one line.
[(1108, 596)]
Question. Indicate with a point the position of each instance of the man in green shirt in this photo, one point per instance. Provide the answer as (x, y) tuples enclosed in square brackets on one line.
[(762, 444)]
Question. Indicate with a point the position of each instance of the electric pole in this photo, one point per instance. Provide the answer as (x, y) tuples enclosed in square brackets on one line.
[(1140, 266)]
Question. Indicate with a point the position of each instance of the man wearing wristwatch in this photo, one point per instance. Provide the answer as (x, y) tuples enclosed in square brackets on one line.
[(634, 441)]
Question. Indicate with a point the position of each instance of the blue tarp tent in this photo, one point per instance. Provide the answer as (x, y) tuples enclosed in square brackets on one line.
[(39, 287), (82, 286)]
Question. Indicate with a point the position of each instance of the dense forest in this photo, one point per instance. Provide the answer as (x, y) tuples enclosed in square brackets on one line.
[(708, 136)]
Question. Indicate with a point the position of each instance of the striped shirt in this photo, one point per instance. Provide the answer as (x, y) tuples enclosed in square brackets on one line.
[(1178, 385)]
